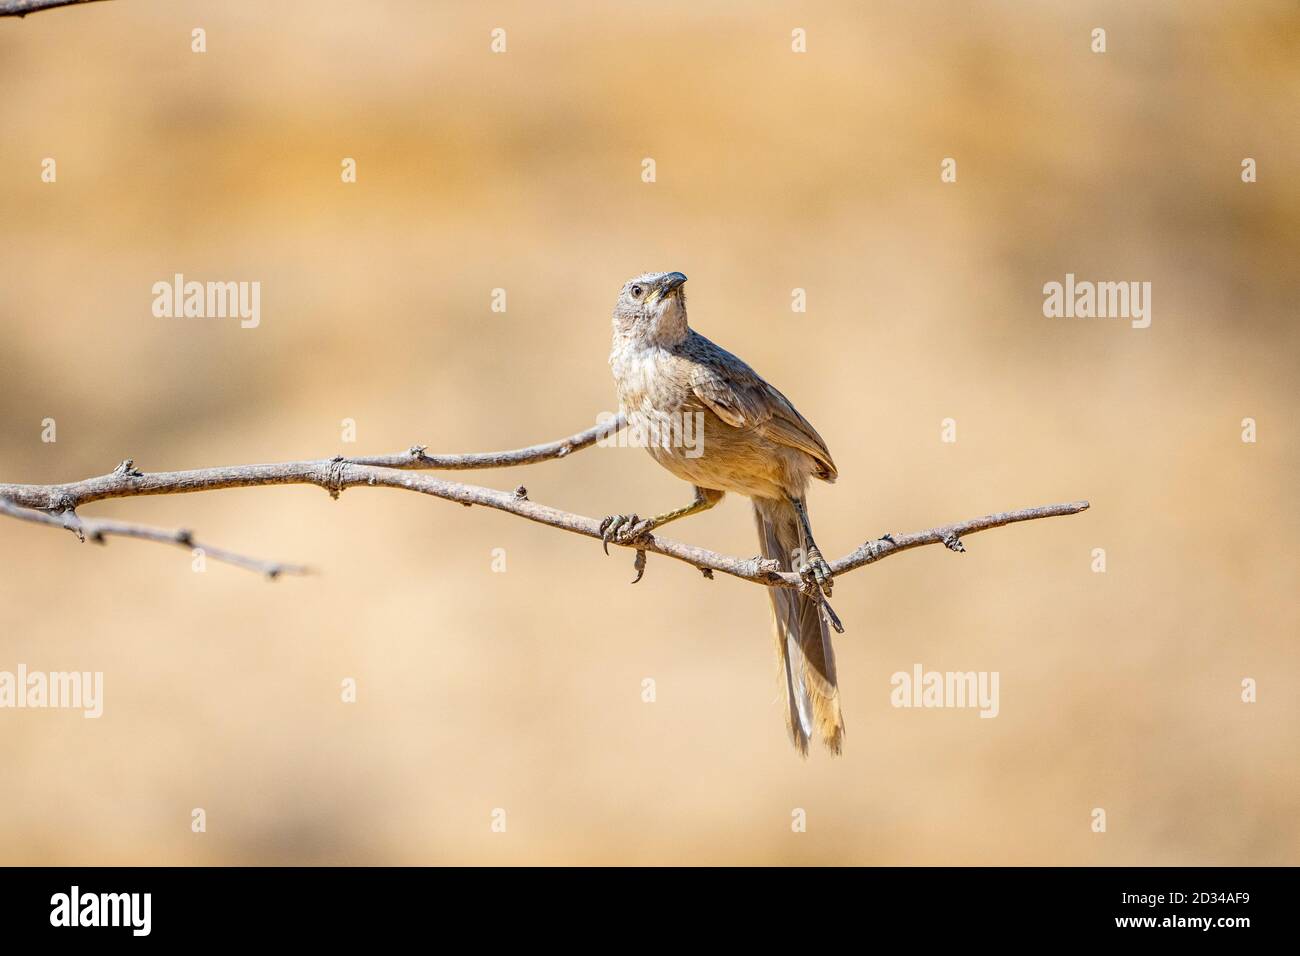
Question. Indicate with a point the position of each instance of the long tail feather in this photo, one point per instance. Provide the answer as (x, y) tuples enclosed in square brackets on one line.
[(803, 641)]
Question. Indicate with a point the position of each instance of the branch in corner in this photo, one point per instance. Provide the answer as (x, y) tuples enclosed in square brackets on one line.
[(20, 8)]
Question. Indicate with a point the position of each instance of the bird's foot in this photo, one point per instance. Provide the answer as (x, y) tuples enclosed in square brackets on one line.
[(623, 529), (815, 571)]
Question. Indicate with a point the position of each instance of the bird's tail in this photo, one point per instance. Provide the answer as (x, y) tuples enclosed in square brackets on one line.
[(803, 641)]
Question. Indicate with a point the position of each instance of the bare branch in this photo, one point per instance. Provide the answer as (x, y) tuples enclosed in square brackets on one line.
[(949, 535), (98, 530), (323, 472), (20, 8), (336, 474), (56, 504), (414, 458)]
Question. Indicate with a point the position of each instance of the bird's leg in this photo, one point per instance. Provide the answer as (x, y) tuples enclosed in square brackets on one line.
[(814, 566), (624, 529)]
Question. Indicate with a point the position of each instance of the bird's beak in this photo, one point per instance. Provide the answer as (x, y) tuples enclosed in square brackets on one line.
[(670, 282)]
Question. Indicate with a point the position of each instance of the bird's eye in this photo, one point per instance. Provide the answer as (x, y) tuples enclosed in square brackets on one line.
[(636, 292)]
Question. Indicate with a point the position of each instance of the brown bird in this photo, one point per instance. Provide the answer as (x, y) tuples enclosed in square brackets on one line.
[(750, 440)]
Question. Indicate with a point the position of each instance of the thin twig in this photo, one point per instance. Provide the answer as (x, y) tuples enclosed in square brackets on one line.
[(414, 458), (99, 530)]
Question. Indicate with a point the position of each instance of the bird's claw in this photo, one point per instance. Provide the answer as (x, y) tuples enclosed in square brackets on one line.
[(622, 529), (815, 571)]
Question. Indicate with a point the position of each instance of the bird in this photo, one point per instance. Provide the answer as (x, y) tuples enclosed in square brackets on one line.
[(752, 441)]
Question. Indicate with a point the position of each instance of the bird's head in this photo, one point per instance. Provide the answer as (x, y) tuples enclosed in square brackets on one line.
[(652, 308)]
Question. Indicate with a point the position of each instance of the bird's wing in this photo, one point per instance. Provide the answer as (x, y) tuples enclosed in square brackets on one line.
[(788, 427), (743, 399), (737, 402)]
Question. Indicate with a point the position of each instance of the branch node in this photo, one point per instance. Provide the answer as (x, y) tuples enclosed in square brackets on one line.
[(417, 451), (521, 493), (952, 542), (126, 469), (707, 572), (68, 518), (334, 476), (764, 570)]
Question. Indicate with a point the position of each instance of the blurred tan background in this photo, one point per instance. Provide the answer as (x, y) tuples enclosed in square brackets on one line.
[(522, 690)]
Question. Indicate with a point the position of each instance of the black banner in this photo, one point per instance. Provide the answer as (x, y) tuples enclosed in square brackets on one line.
[(1165, 905)]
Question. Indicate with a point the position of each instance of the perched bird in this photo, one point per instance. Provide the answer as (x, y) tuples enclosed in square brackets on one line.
[(754, 443)]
